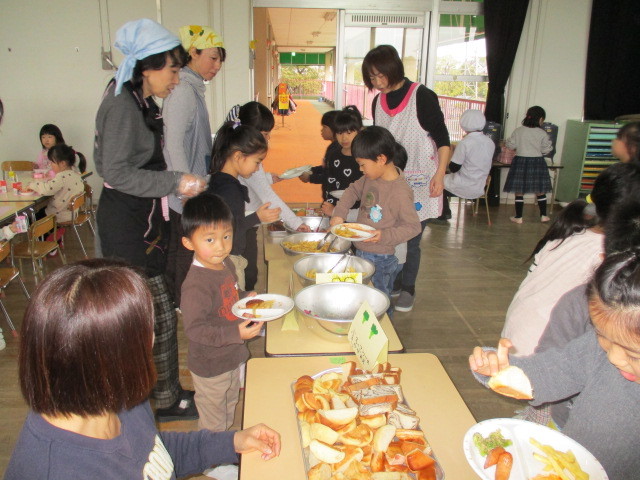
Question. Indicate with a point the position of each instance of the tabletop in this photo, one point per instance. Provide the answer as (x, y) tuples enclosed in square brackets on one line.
[(9, 209), (444, 417), (36, 198)]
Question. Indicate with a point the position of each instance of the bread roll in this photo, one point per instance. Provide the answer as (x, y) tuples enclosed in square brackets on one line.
[(325, 453), (337, 418), (321, 471), (512, 382)]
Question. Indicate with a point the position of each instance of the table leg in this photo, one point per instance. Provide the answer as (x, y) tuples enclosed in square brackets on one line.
[(553, 190)]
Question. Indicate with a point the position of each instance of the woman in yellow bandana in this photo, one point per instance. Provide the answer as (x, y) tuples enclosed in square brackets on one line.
[(187, 133)]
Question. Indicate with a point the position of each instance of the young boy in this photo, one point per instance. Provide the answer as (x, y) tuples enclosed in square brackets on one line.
[(386, 203), (216, 337)]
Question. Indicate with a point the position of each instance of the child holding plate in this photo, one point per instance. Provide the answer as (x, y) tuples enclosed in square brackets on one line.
[(386, 204)]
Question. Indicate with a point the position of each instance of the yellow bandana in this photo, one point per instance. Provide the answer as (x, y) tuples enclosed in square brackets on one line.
[(199, 37)]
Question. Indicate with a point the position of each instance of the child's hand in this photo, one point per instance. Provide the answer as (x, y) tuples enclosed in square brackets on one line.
[(305, 177), (336, 221), (14, 227), (275, 178), (327, 208), (489, 362), (247, 332), (303, 228), (268, 215), (259, 437), (252, 293), (376, 237)]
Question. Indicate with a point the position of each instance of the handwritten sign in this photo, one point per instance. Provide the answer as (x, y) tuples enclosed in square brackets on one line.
[(338, 277), (367, 339)]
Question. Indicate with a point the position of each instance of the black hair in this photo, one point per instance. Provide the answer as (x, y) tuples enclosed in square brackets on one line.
[(401, 157), (256, 115), (1, 111), (374, 141), (329, 119), (385, 59), (51, 129), (533, 117), (232, 138), (629, 134), (221, 51), (348, 119), (65, 153), (204, 210), (177, 56), (622, 230)]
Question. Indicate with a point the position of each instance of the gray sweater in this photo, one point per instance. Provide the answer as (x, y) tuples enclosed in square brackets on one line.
[(124, 144), (187, 133)]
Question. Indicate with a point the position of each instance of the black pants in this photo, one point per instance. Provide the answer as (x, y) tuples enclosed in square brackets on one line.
[(251, 254), (179, 259), (446, 210)]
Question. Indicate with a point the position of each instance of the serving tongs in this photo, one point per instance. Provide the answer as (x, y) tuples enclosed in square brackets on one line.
[(346, 255), (321, 242)]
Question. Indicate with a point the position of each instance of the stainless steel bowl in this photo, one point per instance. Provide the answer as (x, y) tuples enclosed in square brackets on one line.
[(332, 306), (339, 246), (321, 263), (313, 223)]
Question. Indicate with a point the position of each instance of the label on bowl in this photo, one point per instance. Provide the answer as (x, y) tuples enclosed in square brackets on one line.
[(339, 277), (367, 339)]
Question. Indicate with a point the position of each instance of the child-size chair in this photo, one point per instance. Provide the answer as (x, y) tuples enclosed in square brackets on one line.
[(476, 205), (36, 249), (7, 275), (78, 218)]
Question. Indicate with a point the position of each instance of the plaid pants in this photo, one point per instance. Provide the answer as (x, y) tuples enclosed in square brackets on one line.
[(165, 347)]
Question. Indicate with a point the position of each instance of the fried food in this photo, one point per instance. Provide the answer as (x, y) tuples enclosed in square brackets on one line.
[(306, 246)]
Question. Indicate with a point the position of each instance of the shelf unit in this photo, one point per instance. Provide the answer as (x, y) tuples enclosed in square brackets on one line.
[(586, 152)]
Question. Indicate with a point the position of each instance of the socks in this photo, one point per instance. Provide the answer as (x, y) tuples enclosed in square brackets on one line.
[(542, 204), (520, 205)]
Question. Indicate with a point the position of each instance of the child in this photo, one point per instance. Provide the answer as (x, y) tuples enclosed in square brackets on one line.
[(86, 372), (216, 337), (328, 124), (626, 146), (566, 256), (600, 369), (529, 172), (386, 203), (340, 168), (65, 184), (470, 164), (50, 135), (237, 152)]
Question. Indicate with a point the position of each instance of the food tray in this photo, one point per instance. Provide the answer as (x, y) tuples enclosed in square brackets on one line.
[(306, 452)]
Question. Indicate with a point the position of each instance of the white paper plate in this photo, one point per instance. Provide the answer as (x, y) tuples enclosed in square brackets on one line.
[(337, 194), (524, 465), (361, 235), (294, 172), (281, 306), (28, 194)]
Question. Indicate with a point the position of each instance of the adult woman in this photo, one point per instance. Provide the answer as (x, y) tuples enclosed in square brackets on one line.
[(412, 113), (128, 155), (187, 133), (86, 369)]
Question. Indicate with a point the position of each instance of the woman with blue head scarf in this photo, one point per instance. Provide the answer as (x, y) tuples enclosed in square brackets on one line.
[(133, 210)]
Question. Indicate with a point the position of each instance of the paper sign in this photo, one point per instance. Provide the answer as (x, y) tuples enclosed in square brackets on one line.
[(367, 339), (338, 277)]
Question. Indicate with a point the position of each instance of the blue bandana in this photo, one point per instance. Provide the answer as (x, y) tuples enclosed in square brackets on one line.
[(137, 40)]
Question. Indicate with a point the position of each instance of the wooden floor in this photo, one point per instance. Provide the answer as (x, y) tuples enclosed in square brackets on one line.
[(468, 275)]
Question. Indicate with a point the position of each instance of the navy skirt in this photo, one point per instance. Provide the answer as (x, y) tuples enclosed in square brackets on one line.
[(528, 175)]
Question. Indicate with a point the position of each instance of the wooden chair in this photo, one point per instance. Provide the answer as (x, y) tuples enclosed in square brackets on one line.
[(36, 249), (476, 205), (89, 207), (7, 275), (17, 166), (78, 218)]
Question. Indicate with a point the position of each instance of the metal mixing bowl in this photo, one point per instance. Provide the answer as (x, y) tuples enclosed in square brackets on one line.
[(321, 263), (339, 246), (313, 223), (333, 305)]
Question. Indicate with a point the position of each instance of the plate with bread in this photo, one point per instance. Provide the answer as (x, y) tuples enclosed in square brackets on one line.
[(262, 308), (508, 448), (355, 424), (27, 192), (354, 232)]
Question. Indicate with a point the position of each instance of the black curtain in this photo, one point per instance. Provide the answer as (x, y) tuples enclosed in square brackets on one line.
[(613, 60), (503, 21)]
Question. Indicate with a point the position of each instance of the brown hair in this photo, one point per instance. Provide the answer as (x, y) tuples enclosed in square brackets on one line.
[(385, 59), (86, 346)]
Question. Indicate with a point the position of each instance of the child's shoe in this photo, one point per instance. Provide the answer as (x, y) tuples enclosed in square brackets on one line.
[(544, 219), (516, 219)]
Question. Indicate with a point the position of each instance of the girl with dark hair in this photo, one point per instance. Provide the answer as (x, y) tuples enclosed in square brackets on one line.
[(238, 151), (529, 172), (133, 213), (566, 256), (626, 146), (599, 370), (86, 371), (412, 113), (339, 169), (50, 135)]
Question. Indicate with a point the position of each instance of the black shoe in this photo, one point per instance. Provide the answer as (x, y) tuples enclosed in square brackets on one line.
[(441, 220), (188, 394), (446, 216), (183, 409)]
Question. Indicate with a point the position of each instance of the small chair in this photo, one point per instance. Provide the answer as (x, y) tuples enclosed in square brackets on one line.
[(36, 249), (7, 275), (89, 207), (17, 166), (485, 196), (78, 218)]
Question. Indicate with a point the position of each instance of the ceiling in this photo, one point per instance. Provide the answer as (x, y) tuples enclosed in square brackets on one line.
[(303, 29)]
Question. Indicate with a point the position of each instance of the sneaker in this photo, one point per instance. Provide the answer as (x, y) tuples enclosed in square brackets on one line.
[(404, 303), (395, 293), (441, 220), (544, 219), (183, 409), (516, 219)]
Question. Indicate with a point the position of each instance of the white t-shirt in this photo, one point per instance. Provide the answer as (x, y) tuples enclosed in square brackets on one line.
[(474, 153)]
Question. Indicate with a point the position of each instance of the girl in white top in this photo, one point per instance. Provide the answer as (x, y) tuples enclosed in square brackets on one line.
[(566, 257)]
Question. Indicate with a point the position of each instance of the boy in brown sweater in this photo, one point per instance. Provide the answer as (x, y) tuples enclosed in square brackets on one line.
[(386, 203), (216, 336)]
